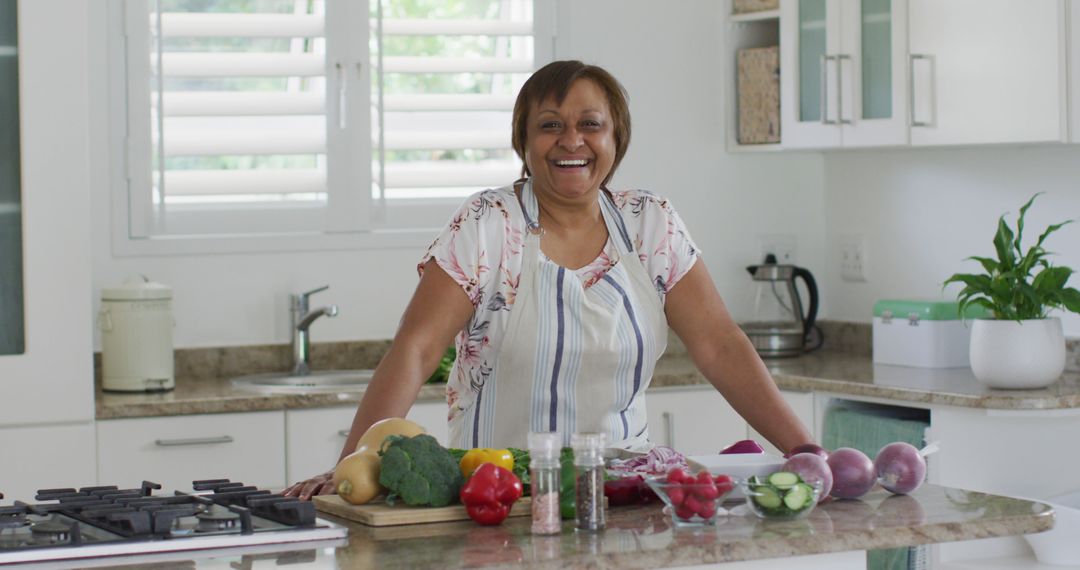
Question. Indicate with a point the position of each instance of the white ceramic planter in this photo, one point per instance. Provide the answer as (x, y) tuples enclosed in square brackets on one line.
[(1017, 354)]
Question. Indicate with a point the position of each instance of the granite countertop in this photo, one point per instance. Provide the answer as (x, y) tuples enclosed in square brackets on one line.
[(835, 372), (643, 536)]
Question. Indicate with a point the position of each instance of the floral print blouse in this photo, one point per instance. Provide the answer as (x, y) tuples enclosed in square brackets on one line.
[(481, 249)]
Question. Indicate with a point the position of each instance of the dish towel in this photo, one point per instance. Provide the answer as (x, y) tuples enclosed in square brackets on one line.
[(869, 427)]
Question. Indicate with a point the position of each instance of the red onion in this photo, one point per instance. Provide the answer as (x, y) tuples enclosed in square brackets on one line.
[(813, 469), (900, 468), (853, 473), (809, 448), (743, 446)]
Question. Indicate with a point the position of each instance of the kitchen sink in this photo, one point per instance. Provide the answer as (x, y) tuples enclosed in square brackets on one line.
[(315, 382)]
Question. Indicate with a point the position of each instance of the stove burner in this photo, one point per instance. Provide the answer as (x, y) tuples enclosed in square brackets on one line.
[(216, 520), (103, 521), (51, 531)]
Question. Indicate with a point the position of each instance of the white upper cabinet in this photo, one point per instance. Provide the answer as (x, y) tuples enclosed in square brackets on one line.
[(1074, 70), (843, 73), (987, 71), (52, 379)]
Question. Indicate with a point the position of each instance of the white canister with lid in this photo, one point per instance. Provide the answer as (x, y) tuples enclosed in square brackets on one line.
[(136, 324)]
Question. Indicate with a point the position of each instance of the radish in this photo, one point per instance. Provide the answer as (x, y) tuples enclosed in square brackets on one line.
[(813, 469), (900, 468), (853, 473)]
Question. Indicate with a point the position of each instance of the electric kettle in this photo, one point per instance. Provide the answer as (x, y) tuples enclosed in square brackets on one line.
[(779, 327)]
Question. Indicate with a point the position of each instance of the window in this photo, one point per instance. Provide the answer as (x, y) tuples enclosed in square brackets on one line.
[(258, 120)]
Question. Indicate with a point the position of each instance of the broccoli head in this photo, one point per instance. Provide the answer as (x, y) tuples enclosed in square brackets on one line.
[(419, 471)]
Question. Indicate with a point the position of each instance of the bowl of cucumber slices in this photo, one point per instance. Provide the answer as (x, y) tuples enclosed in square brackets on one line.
[(782, 495)]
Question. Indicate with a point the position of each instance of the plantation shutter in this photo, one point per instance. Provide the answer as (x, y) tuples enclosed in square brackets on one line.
[(317, 116), (449, 77), (240, 134)]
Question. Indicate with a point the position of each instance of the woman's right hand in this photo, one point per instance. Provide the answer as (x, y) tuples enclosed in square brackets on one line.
[(322, 484)]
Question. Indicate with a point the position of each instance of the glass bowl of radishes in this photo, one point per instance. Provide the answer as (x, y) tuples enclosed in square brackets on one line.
[(782, 495), (693, 499)]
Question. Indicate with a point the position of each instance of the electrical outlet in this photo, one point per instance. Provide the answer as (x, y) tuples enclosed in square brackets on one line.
[(852, 257), (783, 246)]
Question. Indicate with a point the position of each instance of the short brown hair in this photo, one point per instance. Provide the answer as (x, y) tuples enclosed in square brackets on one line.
[(554, 80)]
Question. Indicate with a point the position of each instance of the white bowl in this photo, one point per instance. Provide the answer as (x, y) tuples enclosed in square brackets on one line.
[(740, 466), (1058, 545)]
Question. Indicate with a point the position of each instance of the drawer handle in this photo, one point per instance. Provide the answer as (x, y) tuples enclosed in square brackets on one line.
[(343, 432), (193, 441)]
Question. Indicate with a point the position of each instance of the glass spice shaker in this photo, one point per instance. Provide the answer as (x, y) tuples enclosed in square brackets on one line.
[(544, 448), (589, 480)]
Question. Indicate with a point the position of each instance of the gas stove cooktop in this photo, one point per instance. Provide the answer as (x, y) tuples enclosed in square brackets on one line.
[(109, 521)]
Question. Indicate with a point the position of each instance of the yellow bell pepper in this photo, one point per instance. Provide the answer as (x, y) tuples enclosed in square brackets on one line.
[(478, 456)]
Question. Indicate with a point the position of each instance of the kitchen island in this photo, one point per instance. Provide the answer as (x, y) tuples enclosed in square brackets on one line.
[(993, 441), (834, 536)]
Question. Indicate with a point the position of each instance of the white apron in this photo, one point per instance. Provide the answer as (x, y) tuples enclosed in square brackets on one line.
[(573, 359)]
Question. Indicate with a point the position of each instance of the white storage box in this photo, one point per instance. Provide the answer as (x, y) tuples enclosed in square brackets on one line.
[(739, 466), (926, 334)]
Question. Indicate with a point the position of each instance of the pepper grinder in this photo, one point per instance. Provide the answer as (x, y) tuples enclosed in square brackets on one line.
[(589, 480)]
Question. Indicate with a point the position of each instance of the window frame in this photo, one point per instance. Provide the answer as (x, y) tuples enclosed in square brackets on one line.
[(351, 220)]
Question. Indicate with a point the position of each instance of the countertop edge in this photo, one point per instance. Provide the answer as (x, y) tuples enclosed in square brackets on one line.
[(213, 396)]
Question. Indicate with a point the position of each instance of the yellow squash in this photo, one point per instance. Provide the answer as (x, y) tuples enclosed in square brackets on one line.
[(356, 477), (378, 432)]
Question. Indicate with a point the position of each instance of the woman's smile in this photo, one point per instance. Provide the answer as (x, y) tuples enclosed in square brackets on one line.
[(570, 146)]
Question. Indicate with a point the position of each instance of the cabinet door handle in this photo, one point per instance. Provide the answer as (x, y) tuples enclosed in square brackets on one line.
[(669, 426), (825, 59), (915, 122), (343, 432), (193, 441), (840, 88)]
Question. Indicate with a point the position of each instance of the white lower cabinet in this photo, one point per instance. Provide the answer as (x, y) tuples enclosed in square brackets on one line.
[(802, 403), (176, 450), (694, 420), (46, 457), (313, 437)]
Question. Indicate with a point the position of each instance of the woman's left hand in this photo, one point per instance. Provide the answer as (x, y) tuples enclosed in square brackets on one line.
[(321, 484)]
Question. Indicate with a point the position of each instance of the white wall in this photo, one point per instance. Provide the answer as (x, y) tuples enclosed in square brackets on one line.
[(923, 211), (670, 64)]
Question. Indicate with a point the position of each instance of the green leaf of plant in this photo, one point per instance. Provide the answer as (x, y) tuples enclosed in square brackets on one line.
[(1051, 229), (1051, 280), (1032, 308), (1003, 244), (1071, 299), (990, 265), (983, 302), (1020, 221), (1035, 256), (974, 283)]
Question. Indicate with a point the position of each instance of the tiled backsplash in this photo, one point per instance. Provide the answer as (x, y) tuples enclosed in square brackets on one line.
[(228, 362)]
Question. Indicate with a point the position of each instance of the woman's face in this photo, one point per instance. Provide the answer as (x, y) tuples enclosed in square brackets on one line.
[(570, 148)]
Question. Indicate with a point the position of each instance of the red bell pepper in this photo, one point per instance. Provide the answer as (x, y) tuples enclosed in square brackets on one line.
[(489, 494)]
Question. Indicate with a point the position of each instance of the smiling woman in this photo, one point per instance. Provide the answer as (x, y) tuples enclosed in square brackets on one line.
[(558, 293)]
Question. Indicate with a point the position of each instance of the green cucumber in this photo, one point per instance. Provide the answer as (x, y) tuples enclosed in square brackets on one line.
[(767, 497), (784, 479), (797, 497)]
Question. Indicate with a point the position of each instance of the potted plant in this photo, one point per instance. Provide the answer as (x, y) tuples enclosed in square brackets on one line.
[(1019, 346)]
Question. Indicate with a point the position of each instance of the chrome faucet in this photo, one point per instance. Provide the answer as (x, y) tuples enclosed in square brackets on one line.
[(301, 320)]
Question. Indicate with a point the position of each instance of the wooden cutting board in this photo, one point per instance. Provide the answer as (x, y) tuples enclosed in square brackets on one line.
[(381, 514)]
